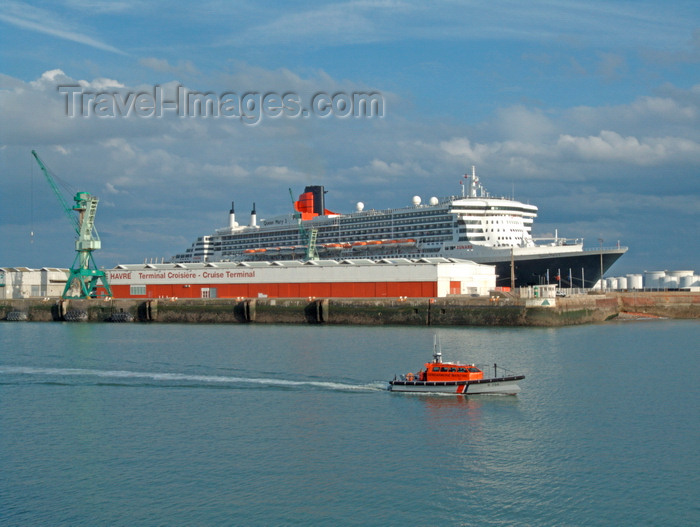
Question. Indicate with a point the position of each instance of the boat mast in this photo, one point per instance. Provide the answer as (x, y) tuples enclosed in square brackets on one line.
[(437, 352)]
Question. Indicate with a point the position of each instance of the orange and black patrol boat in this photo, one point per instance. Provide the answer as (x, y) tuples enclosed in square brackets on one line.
[(453, 377)]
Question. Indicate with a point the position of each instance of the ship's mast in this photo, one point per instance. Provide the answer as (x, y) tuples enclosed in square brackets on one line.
[(473, 183), (475, 188)]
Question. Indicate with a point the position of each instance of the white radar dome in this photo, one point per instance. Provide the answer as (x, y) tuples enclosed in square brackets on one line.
[(360, 206), (434, 201), (416, 200)]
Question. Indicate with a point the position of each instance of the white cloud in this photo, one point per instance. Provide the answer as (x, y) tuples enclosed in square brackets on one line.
[(278, 174), (649, 131), (32, 18), (523, 124), (367, 21), (112, 189), (185, 67), (611, 146), (611, 66), (120, 145), (659, 114), (395, 169), (462, 147)]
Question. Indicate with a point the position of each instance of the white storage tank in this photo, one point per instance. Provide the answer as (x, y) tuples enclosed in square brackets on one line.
[(622, 282), (612, 283), (686, 281), (635, 281), (679, 274), (654, 279), (670, 282)]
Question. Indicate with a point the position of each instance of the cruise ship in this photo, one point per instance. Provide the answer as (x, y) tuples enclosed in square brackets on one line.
[(471, 226)]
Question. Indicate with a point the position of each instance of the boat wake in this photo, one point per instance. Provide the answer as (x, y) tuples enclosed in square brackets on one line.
[(78, 376)]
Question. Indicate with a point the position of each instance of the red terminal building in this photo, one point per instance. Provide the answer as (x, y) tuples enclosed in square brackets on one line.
[(356, 278)]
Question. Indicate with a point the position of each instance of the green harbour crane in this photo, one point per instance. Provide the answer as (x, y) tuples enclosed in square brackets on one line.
[(85, 277)]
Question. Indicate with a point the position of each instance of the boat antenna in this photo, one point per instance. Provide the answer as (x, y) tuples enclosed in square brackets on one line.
[(437, 352)]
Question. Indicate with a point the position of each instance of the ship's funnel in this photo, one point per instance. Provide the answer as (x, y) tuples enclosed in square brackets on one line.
[(253, 217), (312, 203), (319, 205), (232, 217)]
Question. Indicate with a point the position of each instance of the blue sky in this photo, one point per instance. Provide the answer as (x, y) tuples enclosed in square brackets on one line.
[(590, 110)]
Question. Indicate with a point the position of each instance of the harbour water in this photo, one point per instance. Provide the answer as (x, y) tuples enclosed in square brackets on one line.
[(155, 424)]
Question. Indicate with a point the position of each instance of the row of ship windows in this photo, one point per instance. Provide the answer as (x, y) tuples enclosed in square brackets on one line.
[(285, 235), (481, 229), (330, 237), (417, 223), (478, 231), (394, 217), (487, 208), (235, 253), (502, 222), (415, 219), (388, 225), (483, 238), (490, 222), (434, 236), (516, 221)]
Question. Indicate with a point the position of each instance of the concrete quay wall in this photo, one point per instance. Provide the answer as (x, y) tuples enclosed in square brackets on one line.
[(450, 311), (668, 304)]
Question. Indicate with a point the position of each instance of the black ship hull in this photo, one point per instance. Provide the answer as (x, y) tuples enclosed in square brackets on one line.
[(581, 269)]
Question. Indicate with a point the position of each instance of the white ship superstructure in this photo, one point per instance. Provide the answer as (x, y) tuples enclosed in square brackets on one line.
[(473, 226)]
